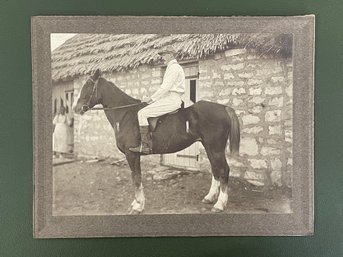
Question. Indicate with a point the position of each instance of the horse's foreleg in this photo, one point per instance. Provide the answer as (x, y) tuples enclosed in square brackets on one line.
[(137, 206)]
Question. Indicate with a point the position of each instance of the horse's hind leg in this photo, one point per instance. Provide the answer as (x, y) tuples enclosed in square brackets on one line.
[(223, 194), (212, 195), (137, 206), (220, 179)]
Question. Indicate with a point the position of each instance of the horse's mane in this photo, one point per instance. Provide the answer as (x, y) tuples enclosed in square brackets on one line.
[(120, 92)]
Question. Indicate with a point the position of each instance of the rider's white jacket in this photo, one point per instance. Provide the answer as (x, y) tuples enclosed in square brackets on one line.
[(168, 97), (173, 81)]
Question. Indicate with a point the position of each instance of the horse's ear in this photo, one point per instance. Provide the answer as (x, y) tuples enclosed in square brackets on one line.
[(96, 74)]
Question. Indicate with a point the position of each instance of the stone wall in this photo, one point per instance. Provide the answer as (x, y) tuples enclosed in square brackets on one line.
[(260, 90)]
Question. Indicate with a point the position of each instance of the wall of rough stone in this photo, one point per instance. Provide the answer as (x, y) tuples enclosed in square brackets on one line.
[(260, 90)]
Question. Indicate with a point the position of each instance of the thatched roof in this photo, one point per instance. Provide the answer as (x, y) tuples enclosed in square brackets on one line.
[(84, 53)]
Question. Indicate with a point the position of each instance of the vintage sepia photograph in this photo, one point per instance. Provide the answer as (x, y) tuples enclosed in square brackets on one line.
[(179, 130), (172, 123)]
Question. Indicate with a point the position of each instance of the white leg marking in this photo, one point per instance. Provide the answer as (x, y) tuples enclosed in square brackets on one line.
[(214, 191), (139, 201), (77, 99), (222, 199)]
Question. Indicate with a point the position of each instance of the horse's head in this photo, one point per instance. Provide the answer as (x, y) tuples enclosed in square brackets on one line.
[(88, 95)]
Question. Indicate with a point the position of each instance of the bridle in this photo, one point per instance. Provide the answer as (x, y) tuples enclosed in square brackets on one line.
[(86, 107)]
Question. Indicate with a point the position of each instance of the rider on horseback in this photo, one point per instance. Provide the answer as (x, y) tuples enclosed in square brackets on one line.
[(165, 100)]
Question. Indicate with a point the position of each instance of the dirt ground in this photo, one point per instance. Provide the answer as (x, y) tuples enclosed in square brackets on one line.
[(102, 188)]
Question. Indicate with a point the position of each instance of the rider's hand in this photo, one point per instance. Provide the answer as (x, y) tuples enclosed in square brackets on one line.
[(147, 100)]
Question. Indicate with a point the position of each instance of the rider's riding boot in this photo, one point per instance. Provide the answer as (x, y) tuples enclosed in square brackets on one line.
[(145, 146)]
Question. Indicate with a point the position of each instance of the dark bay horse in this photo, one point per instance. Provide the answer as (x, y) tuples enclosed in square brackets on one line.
[(210, 123)]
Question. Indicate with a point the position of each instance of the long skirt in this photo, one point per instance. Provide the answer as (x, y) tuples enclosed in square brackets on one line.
[(60, 138)]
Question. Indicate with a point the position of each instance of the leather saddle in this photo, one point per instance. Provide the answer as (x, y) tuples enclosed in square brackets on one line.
[(154, 121)]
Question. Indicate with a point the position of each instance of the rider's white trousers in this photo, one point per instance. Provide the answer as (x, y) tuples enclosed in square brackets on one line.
[(169, 103)]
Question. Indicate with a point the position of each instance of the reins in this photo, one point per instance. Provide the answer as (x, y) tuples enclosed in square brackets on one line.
[(114, 108)]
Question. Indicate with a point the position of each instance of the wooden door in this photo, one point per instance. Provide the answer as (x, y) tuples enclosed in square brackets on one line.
[(189, 157), (69, 99)]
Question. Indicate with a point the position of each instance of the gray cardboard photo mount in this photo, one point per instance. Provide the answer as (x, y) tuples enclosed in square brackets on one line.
[(299, 222)]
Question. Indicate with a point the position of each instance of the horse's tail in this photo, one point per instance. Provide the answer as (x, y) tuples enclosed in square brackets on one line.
[(235, 136)]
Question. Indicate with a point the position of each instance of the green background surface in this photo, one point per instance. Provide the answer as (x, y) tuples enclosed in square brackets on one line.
[(16, 133)]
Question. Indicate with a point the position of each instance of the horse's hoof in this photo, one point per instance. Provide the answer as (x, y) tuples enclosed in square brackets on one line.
[(135, 212), (216, 210), (132, 211), (206, 201)]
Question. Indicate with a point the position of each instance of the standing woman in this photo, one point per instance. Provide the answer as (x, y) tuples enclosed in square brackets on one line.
[(60, 135)]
